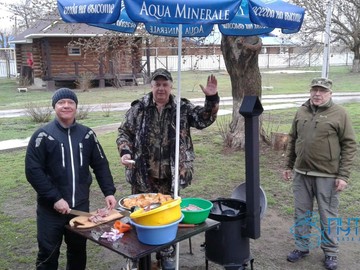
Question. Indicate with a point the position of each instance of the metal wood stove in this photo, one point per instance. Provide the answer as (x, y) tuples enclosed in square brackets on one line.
[(229, 244)]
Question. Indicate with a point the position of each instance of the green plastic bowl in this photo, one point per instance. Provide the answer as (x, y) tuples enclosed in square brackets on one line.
[(195, 216)]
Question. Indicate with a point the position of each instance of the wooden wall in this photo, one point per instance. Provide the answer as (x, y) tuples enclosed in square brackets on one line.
[(52, 61)]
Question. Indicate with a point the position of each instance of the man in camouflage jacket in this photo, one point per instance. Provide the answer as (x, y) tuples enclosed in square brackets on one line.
[(146, 139)]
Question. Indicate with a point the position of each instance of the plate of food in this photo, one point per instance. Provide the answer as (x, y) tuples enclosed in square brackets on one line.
[(142, 200)]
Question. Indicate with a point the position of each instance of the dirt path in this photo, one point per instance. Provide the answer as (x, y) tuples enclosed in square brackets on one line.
[(271, 248), (269, 251), (106, 128)]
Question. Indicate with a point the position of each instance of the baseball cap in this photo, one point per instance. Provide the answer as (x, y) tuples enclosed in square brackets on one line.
[(322, 82), (161, 72), (64, 93)]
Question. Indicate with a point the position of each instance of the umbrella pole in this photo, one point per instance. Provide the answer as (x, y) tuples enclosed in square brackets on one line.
[(327, 34), (178, 99), (177, 143)]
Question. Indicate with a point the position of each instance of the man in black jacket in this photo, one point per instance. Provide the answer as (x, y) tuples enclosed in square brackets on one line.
[(57, 163)]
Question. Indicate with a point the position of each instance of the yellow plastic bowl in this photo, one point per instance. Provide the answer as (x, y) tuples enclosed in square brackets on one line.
[(167, 213)]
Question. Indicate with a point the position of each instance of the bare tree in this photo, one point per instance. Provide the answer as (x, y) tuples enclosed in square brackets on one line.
[(345, 25), (241, 59), (27, 12), (107, 46)]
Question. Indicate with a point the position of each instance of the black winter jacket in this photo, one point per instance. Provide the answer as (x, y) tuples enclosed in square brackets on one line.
[(58, 160)]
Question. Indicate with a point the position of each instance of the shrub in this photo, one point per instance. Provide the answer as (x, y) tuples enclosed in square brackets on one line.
[(84, 81), (223, 124), (82, 112), (38, 114), (106, 109)]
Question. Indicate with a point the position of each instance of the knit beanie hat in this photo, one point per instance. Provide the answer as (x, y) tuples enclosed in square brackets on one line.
[(64, 93)]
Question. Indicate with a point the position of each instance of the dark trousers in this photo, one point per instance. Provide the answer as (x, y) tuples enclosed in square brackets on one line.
[(50, 233)]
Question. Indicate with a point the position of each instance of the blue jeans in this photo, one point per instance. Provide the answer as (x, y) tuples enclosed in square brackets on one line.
[(50, 233)]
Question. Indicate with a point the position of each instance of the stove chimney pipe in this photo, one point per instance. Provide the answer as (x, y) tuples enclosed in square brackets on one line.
[(250, 109)]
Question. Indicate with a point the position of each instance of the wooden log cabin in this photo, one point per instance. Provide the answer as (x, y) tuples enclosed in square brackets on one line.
[(45, 51)]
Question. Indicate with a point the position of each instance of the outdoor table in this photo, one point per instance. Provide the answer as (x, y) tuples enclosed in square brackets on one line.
[(130, 247)]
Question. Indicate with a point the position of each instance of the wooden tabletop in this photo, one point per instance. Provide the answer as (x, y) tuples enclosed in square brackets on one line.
[(129, 245)]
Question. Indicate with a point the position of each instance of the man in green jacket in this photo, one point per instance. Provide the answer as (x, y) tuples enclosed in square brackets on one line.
[(320, 154)]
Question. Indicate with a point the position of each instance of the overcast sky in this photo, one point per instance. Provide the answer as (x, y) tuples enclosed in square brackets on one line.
[(5, 16)]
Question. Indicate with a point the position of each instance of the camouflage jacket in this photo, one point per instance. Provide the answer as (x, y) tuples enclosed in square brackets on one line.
[(150, 137)]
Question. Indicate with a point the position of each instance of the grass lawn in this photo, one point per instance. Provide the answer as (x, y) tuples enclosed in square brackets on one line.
[(217, 171), (281, 81)]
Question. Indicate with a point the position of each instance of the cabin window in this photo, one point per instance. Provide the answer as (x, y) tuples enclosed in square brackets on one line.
[(74, 51)]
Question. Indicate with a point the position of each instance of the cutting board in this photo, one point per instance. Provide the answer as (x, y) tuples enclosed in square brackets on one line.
[(84, 222)]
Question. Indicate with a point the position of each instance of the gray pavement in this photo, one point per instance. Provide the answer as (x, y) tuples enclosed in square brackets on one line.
[(269, 102)]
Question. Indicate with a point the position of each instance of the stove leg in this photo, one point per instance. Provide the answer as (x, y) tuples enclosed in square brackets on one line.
[(206, 264), (190, 247), (145, 263), (252, 264)]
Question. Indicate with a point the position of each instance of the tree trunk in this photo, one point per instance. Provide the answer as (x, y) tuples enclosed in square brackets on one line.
[(356, 66), (279, 141), (241, 61), (356, 61)]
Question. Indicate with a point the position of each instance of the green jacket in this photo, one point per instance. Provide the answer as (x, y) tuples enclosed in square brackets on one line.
[(322, 141), (149, 137)]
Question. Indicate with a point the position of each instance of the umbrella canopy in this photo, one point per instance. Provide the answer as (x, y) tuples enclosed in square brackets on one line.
[(234, 17), (187, 18)]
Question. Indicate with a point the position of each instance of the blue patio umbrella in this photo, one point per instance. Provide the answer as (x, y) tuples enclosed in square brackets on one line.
[(186, 18)]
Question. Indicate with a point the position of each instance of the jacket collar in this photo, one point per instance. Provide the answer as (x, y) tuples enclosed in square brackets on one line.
[(148, 101), (323, 106), (58, 124)]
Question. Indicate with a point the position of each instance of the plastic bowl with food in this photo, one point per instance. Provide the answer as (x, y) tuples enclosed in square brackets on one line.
[(142, 199), (166, 213), (195, 210), (156, 235)]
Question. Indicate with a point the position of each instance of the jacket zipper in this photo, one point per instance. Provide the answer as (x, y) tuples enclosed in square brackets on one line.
[(72, 169), (81, 154), (161, 116), (62, 155)]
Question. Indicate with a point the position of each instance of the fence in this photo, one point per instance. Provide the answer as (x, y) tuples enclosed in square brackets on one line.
[(216, 62), (7, 68), (7, 62)]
